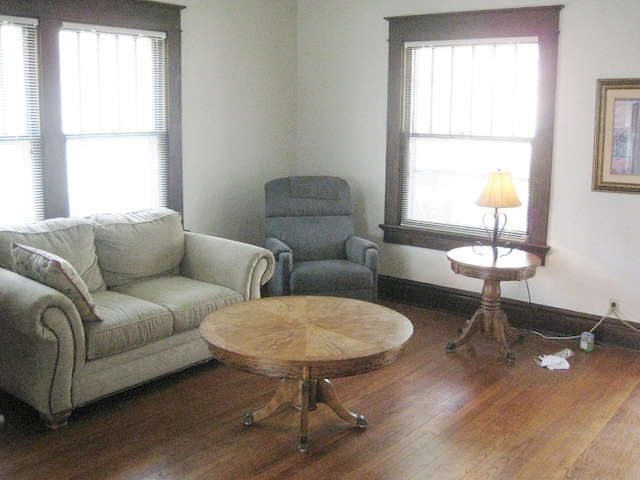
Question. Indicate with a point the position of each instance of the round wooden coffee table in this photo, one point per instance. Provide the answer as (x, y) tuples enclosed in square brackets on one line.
[(304, 340)]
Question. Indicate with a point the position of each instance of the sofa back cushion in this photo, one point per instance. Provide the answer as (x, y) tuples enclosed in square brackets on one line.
[(139, 245), (72, 239)]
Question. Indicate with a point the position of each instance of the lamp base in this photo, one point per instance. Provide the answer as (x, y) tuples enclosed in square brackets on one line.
[(495, 234), (496, 251)]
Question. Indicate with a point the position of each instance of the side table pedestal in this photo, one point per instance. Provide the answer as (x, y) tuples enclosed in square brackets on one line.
[(478, 262)]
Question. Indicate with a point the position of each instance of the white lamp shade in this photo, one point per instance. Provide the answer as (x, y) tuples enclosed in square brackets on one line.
[(499, 192)]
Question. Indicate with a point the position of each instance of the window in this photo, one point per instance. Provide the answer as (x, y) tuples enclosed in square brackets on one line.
[(469, 93), (105, 133), (20, 143), (113, 118)]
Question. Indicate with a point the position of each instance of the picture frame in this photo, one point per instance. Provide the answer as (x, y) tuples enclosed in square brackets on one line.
[(616, 164)]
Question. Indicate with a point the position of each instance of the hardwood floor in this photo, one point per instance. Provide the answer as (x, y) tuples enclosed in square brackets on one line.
[(469, 414)]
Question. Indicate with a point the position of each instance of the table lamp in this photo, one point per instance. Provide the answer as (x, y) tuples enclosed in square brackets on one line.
[(499, 192)]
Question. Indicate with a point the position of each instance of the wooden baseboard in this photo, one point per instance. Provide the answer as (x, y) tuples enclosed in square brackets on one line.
[(540, 318)]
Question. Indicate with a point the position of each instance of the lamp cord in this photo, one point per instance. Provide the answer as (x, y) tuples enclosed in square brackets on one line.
[(611, 311)]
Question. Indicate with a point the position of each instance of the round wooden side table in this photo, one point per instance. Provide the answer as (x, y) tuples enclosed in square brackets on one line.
[(478, 262)]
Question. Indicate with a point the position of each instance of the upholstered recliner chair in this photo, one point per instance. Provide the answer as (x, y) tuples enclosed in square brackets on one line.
[(309, 229)]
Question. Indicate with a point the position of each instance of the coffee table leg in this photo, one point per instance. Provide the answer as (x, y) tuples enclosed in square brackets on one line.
[(303, 445), (283, 394), (305, 388), (307, 393), (327, 395)]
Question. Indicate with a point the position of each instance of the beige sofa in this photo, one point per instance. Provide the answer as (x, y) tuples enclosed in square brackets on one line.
[(136, 287)]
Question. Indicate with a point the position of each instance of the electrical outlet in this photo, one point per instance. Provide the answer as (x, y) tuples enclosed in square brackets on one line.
[(614, 304)]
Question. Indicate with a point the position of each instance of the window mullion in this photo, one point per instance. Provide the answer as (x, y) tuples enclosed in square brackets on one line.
[(53, 152), (451, 87)]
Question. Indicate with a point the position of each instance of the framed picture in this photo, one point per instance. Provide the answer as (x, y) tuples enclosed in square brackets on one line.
[(616, 164)]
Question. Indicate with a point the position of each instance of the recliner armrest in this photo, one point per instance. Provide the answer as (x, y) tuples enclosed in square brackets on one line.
[(277, 247), (279, 284), (362, 251)]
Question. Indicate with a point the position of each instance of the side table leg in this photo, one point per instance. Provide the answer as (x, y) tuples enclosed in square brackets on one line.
[(489, 319), (327, 395), (472, 327), (503, 333), (509, 331)]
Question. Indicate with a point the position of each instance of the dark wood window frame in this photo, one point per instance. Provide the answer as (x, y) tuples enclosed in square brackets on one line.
[(131, 14), (542, 22)]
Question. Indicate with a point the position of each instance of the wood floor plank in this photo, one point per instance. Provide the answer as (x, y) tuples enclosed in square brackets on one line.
[(466, 414)]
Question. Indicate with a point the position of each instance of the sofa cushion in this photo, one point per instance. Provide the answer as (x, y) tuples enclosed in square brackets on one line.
[(188, 300), (70, 238), (55, 272), (139, 245), (127, 323)]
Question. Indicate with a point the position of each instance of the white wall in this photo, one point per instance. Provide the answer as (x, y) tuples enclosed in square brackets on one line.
[(238, 83), (278, 87), (594, 237)]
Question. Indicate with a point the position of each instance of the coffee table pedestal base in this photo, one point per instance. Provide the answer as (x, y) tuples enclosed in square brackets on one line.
[(305, 396)]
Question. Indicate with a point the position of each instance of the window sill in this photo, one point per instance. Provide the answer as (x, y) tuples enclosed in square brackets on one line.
[(417, 237)]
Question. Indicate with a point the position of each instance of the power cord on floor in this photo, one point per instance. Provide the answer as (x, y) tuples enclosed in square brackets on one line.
[(572, 336), (612, 310)]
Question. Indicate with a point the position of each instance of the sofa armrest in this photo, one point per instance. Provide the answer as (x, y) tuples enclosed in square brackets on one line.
[(42, 343), (240, 266)]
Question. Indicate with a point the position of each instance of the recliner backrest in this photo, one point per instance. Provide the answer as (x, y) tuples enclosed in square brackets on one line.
[(310, 214)]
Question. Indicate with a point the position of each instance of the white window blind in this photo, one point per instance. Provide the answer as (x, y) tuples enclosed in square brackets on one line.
[(21, 188), (470, 108), (113, 117)]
